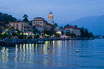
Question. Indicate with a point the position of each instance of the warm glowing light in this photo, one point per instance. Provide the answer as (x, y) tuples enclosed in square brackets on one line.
[(59, 32)]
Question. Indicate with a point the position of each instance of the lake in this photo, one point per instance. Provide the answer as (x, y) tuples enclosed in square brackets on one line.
[(73, 54)]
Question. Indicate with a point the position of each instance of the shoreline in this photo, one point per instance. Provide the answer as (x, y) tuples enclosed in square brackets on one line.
[(13, 42)]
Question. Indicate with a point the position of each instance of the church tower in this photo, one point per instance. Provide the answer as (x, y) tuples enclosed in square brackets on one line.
[(50, 18)]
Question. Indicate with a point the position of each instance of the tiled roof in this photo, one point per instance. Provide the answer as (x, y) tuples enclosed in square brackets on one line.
[(38, 19), (68, 27)]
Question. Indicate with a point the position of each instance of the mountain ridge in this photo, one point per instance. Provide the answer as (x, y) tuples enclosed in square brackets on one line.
[(94, 24)]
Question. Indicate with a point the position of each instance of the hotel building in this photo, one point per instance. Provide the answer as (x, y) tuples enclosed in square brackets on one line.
[(72, 30)]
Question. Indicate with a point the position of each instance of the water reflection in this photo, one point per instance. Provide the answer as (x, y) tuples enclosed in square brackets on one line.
[(4, 55), (30, 52), (52, 53), (26, 52)]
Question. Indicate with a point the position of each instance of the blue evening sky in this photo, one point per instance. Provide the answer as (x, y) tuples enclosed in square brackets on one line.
[(64, 10)]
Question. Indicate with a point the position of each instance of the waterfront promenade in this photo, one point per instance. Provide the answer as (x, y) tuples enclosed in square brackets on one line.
[(13, 42)]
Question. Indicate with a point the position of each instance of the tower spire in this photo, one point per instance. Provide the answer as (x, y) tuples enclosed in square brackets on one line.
[(50, 18)]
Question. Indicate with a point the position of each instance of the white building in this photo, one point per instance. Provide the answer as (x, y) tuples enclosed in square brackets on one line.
[(72, 30), (39, 23)]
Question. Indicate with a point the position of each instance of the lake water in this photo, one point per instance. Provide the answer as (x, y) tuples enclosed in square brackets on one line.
[(71, 54)]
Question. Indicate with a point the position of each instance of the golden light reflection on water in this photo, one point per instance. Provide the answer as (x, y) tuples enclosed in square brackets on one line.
[(16, 53), (45, 48), (28, 52), (4, 55)]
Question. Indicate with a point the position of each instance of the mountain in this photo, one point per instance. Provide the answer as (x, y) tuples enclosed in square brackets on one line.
[(94, 24), (5, 18)]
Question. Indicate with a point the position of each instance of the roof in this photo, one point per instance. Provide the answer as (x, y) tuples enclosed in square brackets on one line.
[(38, 19), (73, 27), (17, 22), (49, 24)]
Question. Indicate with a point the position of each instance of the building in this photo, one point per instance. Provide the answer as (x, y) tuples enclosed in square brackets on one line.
[(25, 27), (48, 27), (50, 18), (38, 23), (28, 29), (41, 24), (72, 30), (17, 25)]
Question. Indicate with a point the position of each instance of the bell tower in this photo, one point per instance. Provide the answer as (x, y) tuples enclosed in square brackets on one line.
[(50, 18)]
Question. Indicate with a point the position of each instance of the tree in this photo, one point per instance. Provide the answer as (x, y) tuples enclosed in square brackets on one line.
[(76, 26), (30, 37), (21, 36), (68, 34), (57, 35), (36, 31), (5, 18), (50, 33), (73, 35), (14, 34), (56, 25), (36, 36), (66, 25), (86, 33), (90, 35), (61, 27), (25, 18), (82, 32), (18, 31), (5, 35)]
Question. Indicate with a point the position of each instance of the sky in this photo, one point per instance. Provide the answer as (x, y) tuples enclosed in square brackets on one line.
[(64, 11)]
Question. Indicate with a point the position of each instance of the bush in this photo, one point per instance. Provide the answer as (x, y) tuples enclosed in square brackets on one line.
[(57, 35), (30, 37), (36, 36), (14, 34), (21, 36), (5, 35)]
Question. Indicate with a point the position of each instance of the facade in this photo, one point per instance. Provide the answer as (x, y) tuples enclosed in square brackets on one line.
[(48, 27), (22, 26), (72, 30), (28, 29), (17, 25), (38, 23), (41, 24), (50, 18)]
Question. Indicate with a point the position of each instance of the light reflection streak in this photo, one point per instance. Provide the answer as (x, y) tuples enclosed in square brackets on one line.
[(16, 53), (4, 55), (27, 53), (45, 48)]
